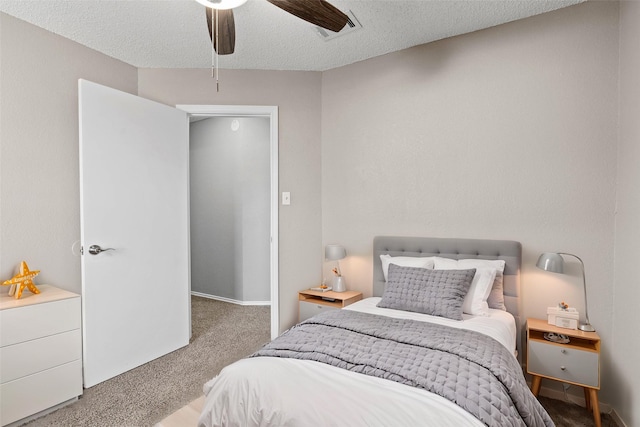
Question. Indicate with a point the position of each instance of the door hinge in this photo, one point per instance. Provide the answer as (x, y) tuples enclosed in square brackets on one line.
[(81, 250)]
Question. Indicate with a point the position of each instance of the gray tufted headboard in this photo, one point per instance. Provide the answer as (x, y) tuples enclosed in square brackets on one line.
[(507, 250)]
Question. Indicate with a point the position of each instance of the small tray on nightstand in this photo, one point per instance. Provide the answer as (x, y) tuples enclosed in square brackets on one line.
[(556, 338)]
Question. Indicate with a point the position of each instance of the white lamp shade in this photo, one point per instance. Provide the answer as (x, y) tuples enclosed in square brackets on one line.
[(222, 4), (334, 252)]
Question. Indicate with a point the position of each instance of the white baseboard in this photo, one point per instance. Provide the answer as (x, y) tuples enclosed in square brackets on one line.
[(41, 413), (232, 301), (617, 419)]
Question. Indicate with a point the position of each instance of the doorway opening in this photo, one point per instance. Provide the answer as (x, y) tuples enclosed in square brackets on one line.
[(252, 175)]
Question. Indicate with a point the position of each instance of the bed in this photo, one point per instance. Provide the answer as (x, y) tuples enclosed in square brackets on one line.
[(408, 356)]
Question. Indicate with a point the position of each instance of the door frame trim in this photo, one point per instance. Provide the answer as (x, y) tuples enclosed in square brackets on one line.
[(270, 112)]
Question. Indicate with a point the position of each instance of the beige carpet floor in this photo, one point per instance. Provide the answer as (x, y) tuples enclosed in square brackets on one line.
[(222, 334)]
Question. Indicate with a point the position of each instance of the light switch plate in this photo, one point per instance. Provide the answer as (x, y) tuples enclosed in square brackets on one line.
[(286, 198)]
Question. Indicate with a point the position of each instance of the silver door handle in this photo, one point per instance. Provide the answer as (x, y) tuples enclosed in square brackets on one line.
[(96, 250)]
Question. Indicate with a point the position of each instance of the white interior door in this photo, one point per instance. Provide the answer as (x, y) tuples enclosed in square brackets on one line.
[(134, 199)]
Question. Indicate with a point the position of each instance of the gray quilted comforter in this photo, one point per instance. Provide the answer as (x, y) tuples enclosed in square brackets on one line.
[(472, 370)]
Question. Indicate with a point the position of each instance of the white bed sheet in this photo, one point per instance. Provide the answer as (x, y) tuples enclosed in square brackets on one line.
[(270, 391), (500, 325), (267, 391)]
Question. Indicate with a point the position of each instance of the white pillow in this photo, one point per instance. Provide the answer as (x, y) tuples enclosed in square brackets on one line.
[(404, 261), (496, 296), (476, 301)]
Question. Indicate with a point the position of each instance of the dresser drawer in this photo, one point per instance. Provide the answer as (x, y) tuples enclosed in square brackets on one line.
[(564, 363), (38, 320), (19, 360), (310, 309), (34, 393)]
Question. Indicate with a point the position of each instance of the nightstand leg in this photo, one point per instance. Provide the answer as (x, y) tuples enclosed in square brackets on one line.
[(593, 397), (535, 385), (587, 398)]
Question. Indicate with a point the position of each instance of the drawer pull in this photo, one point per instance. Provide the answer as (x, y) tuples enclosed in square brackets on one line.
[(563, 368), (563, 351)]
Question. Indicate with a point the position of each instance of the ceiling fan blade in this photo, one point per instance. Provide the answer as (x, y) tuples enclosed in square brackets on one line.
[(317, 12), (224, 36)]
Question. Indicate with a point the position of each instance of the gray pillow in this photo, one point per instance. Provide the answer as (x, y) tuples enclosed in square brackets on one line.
[(496, 296), (435, 292)]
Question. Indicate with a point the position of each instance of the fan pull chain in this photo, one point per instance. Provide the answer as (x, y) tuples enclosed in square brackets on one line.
[(213, 61), (213, 47), (215, 69)]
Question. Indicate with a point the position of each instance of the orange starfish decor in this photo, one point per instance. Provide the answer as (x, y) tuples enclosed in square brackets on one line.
[(21, 281)]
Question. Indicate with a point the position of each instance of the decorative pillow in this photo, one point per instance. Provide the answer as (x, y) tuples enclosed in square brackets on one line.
[(404, 261), (475, 302), (496, 295), (436, 292)]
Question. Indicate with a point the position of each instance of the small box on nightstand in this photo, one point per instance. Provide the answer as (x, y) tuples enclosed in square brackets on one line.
[(563, 318)]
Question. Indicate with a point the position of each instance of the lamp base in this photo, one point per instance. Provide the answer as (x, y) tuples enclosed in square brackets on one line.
[(587, 327), (338, 284)]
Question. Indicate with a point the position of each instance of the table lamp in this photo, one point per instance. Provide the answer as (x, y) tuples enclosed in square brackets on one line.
[(553, 262), (336, 253)]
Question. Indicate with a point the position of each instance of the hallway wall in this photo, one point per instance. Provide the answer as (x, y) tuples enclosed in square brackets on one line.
[(230, 208)]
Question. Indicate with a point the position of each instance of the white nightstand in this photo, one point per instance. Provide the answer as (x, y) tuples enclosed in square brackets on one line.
[(40, 352), (313, 302), (577, 362)]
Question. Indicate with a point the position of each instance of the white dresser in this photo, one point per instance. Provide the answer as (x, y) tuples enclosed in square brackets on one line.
[(40, 352)]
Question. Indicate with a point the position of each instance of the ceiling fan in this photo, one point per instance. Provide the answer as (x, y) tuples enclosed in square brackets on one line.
[(222, 25)]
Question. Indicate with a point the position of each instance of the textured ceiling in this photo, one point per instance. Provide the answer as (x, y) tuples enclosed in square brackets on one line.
[(173, 33)]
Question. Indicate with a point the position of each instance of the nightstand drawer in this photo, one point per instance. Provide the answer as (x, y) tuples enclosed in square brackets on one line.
[(564, 363), (309, 309)]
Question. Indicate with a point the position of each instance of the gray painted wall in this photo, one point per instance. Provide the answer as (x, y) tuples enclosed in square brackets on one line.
[(505, 133), (297, 95), (39, 173), (625, 374), (501, 96), (230, 208)]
